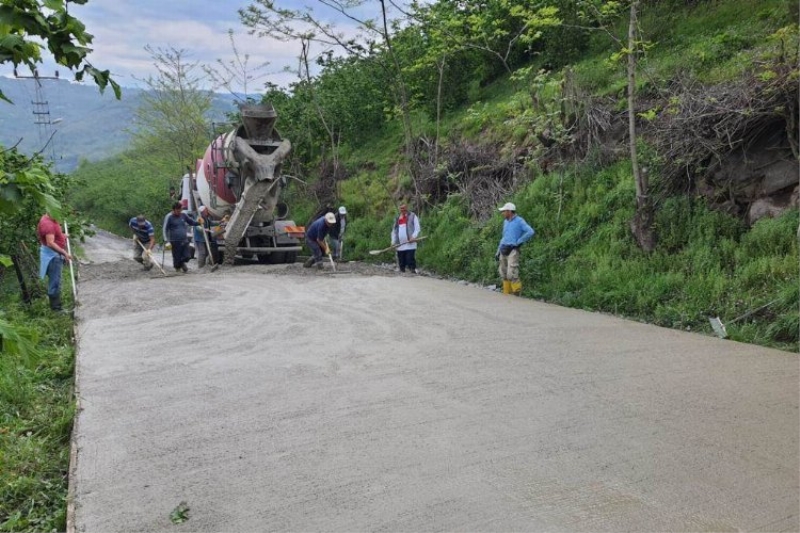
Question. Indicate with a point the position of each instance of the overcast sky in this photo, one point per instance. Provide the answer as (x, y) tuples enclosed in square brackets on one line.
[(122, 28)]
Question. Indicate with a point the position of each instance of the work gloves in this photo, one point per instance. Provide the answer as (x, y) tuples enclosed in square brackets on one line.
[(200, 220), (168, 246)]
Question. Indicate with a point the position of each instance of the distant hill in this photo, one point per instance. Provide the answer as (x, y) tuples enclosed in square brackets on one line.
[(88, 125)]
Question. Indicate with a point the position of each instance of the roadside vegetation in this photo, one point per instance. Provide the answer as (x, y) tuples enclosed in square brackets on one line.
[(36, 412), (36, 353)]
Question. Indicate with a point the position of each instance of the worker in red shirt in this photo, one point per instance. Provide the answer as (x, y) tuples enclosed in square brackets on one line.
[(404, 235), (52, 255)]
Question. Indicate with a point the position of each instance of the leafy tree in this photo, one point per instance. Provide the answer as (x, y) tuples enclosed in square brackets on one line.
[(171, 120), (113, 190), (26, 185), (26, 190), (601, 12), (503, 29), (24, 23), (267, 19)]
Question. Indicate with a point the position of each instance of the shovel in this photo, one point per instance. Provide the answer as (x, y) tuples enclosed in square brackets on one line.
[(333, 263), (214, 266), (393, 247), (150, 255)]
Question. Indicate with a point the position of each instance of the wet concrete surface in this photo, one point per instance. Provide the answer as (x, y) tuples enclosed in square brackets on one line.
[(278, 398)]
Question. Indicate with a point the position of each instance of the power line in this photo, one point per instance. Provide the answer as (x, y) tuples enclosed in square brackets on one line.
[(41, 113)]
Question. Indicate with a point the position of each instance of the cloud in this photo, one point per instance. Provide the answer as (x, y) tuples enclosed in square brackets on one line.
[(200, 27), (122, 30)]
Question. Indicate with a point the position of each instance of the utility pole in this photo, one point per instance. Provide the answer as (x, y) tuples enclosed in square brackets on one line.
[(41, 113)]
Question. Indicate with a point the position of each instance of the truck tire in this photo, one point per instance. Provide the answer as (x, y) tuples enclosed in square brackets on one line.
[(291, 257), (277, 258)]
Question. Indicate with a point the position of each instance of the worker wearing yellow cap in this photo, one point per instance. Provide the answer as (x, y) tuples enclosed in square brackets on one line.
[(516, 232)]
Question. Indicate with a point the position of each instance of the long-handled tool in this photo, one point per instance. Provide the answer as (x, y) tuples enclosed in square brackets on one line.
[(394, 246), (71, 270), (214, 266), (333, 263), (150, 255)]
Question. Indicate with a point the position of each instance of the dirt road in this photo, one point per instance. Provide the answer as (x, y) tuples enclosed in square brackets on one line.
[(277, 398)]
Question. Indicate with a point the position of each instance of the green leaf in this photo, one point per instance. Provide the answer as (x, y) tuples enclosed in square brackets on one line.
[(55, 5), (180, 514)]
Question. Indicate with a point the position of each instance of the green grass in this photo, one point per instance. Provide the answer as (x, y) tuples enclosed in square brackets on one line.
[(712, 41), (707, 264), (36, 415)]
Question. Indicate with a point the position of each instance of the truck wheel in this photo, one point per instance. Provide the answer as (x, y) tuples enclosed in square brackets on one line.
[(265, 259), (277, 258), (291, 257)]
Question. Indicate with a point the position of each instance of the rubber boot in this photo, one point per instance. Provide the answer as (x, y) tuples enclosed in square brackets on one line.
[(516, 288), (55, 303), (506, 287)]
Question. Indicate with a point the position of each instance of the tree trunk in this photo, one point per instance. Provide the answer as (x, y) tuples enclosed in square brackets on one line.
[(26, 294), (440, 65), (408, 130), (642, 223)]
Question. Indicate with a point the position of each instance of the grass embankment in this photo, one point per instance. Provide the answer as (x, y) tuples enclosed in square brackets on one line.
[(707, 263), (36, 414)]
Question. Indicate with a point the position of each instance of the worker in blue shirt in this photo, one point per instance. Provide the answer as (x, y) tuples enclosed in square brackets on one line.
[(516, 232), (176, 235), (315, 239), (143, 240)]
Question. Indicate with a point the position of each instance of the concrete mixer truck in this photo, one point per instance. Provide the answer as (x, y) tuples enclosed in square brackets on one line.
[(238, 182)]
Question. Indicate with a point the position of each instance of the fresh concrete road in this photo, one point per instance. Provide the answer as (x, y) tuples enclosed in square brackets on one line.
[(280, 399)]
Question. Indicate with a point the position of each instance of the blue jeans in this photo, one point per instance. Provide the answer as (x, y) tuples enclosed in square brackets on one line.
[(54, 268)]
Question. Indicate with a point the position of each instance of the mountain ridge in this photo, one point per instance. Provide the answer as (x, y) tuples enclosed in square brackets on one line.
[(60, 119)]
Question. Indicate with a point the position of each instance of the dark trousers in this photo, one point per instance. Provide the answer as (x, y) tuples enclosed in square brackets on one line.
[(407, 259), (180, 253), (316, 251)]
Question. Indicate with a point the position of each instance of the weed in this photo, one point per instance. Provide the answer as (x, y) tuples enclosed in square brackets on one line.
[(36, 413)]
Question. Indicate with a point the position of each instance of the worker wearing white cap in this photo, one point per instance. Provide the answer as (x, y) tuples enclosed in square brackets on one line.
[(516, 232), (315, 239), (337, 233)]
